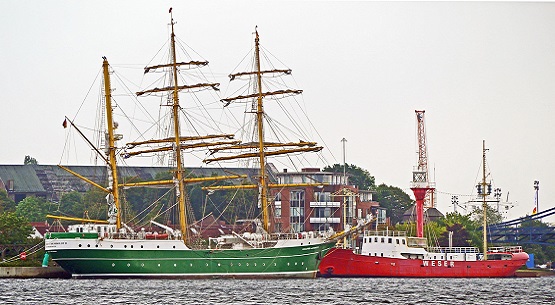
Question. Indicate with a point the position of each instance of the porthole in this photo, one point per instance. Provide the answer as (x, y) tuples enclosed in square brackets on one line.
[(88, 245), (175, 265), (79, 245), (263, 264), (131, 246), (219, 265), (237, 264), (141, 246), (295, 263), (174, 247), (247, 264), (206, 264), (125, 246), (287, 264), (142, 264), (191, 265), (128, 264), (96, 246), (158, 246), (111, 246), (158, 265), (276, 264), (113, 265), (302, 263)]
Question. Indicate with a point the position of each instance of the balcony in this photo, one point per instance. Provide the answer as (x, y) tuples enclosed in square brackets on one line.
[(325, 220), (325, 204)]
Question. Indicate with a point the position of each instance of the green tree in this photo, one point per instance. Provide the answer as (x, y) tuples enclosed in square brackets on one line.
[(6, 203), (543, 254), (33, 208), (464, 230), (460, 238), (432, 230), (492, 215), (227, 205), (394, 200), (148, 202), (72, 204), (94, 204), (30, 161), (14, 229), (357, 176), (534, 223)]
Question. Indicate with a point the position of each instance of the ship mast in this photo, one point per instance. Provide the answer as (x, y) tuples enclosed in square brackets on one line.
[(259, 119), (177, 151), (109, 156), (113, 197), (484, 204), (175, 143), (263, 149)]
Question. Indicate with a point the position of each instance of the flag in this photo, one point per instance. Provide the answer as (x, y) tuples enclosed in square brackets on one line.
[(170, 10), (534, 211), (64, 123)]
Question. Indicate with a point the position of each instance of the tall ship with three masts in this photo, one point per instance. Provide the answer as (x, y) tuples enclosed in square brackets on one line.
[(113, 248)]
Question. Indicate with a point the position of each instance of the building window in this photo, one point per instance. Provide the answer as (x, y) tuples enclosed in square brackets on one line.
[(323, 227), (277, 212), (296, 204), (322, 196), (322, 212)]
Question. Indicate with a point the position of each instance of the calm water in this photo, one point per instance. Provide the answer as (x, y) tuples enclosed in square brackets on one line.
[(318, 291)]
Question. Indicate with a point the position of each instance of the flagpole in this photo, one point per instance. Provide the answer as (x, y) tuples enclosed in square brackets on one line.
[(536, 199)]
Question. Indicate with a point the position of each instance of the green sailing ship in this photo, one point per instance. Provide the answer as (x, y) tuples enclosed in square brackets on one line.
[(105, 249)]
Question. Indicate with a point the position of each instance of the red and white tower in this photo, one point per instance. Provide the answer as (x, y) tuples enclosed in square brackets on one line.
[(421, 187)]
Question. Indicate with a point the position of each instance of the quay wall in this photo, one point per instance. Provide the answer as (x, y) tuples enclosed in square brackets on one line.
[(33, 272)]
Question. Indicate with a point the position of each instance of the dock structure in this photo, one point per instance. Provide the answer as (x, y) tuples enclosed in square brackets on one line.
[(34, 272)]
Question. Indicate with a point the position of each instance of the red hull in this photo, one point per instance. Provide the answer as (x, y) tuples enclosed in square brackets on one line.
[(345, 263)]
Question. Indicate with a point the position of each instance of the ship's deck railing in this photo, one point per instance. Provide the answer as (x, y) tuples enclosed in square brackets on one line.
[(385, 233), (454, 249), (508, 249), (302, 235)]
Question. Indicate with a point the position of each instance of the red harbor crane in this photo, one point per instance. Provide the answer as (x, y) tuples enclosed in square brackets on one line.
[(421, 186)]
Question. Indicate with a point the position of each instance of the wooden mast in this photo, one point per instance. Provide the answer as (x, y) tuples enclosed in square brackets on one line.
[(259, 118), (177, 149), (262, 149), (176, 140), (109, 156), (111, 147)]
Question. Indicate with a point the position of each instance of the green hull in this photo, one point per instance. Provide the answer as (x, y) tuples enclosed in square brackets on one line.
[(296, 261), (71, 235)]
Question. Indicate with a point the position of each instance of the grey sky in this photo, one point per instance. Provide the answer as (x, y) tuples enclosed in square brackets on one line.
[(481, 70)]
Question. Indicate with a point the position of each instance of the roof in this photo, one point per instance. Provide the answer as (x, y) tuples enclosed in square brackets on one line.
[(429, 214), (43, 227), (52, 179), (24, 178)]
